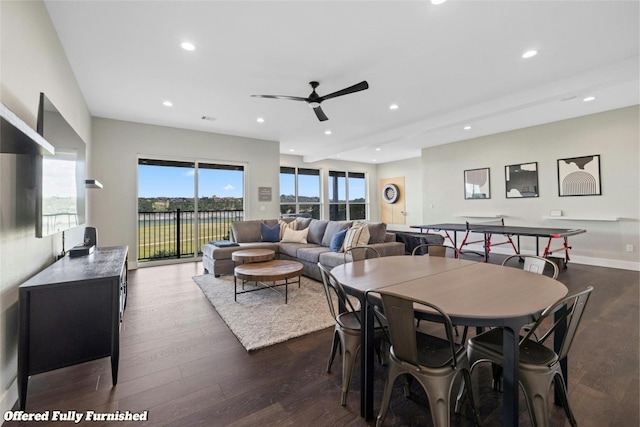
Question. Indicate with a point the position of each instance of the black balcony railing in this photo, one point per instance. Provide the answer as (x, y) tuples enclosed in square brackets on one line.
[(167, 235)]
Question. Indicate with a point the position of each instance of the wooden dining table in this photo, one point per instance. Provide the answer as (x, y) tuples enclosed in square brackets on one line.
[(472, 293)]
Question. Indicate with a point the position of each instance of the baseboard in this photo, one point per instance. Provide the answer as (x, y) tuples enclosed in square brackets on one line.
[(9, 397), (575, 259)]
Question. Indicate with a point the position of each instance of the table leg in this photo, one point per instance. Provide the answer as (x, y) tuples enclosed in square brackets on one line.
[(510, 376), (366, 367)]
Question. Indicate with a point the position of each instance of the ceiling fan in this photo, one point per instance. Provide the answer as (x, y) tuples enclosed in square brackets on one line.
[(314, 100)]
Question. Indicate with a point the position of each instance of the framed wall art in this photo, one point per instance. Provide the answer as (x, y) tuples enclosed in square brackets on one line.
[(579, 176), (477, 184), (521, 180)]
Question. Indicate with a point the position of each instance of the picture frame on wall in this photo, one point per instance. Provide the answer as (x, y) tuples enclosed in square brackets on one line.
[(477, 184), (579, 176), (521, 180)]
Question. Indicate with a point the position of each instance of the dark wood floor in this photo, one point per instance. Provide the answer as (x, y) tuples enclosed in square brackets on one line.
[(180, 362)]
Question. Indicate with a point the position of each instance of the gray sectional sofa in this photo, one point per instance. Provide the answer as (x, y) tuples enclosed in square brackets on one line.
[(248, 235)]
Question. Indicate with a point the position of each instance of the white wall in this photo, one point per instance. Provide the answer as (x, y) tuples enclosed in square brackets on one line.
[(614, 135), (32, 61), (326, 165), (117, 145)]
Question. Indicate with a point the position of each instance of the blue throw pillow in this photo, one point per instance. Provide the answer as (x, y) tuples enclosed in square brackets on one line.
[(270, 234), (336, 240)]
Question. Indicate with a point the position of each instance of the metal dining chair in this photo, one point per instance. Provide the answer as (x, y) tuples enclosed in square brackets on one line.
[(347, 332), (533, 264), (539, 365), (359, 253), (434, 362)]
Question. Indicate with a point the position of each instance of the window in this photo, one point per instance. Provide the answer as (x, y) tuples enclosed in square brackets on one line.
[(172, 222), (347, 196), (300, 191)]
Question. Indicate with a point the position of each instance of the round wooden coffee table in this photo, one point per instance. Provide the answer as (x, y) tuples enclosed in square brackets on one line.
[(247, 256), (266, 275)]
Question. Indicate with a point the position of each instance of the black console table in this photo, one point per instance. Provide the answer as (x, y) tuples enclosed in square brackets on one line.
[(70, 313)]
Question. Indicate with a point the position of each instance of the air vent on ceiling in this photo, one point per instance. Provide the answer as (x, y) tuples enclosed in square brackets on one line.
[(209, 118)]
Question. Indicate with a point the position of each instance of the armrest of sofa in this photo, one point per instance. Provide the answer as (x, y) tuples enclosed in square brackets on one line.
[(389, 237)]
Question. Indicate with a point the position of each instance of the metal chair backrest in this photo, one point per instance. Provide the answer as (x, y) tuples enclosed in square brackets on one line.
[(534, 264), (400, 315), (433, 249), (572, 307), (336, 296), (359, 253)]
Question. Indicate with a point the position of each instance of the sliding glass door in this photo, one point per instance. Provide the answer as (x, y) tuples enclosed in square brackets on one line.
[(172, 222)]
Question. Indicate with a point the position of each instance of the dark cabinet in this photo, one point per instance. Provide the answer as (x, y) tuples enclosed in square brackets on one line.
[(70, 313)]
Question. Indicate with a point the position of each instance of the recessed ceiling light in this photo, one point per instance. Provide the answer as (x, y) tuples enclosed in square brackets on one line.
[(529, 54), (327, 132), (467, 128), (437, 2), (589, 98), (260, 120), (167, 104), (187, 46), (292, 150), (393, 107), (378, 149), (373, 160)]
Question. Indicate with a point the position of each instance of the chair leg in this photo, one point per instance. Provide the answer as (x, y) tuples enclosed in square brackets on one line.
[(334, 347), (386, 396), (561, 389), (536, 387), (438, 400), (466, 383), (349, 352)]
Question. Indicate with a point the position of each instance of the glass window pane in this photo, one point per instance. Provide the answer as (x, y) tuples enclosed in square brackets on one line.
[(308, 188), (287, 185), (338, 212), (357, 211), (337, 187), (287, 209), (356, 188), (314, 210)]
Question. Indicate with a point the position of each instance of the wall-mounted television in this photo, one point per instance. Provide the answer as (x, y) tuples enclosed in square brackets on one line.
[(60, 200)]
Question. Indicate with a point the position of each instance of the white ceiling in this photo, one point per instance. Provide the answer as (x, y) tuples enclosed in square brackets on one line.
[(446, 66)]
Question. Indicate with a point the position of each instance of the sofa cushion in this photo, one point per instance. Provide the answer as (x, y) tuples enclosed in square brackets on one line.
[(291, 249), (316, 231), (295, 236), (269, 234), (287, 223), (358, 235), (303, 222), (331, 259), (311, 254), (246, 231), (337, 240), (377, 232), (332, 228)]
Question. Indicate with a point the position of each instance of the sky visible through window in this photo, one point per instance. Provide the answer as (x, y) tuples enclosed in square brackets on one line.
[(166, 181)]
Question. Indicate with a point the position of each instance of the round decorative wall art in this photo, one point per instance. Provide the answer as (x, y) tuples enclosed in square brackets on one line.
[(390, 193)]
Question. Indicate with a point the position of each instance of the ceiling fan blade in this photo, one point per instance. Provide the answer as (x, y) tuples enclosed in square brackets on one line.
[(351, 89), (290, 98), (321, 116)]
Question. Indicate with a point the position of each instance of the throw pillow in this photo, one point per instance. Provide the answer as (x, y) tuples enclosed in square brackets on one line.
[(294, 236), (358, 235), (269, 234), (337, 240), (284, 224)]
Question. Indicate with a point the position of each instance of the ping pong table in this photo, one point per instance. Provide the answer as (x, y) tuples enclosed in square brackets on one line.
[(490, 228)]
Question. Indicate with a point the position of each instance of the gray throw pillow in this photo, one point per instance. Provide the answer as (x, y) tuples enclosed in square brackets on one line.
[(377, 231), (316, 231), (332, 228)]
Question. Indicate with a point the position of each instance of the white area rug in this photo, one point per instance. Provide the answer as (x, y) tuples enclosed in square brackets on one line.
[(260, 319)]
